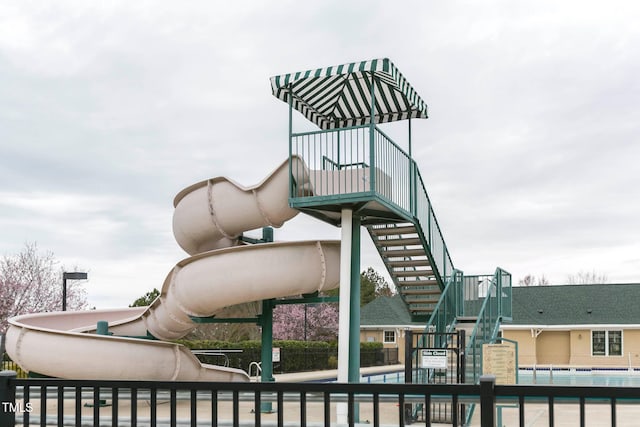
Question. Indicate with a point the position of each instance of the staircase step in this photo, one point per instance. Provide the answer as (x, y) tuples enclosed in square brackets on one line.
[(409, 263), (424, 282), (413, 273), (398, 242), (404, 253), (422, 310), (424, 300), (389, 231), (410, 291)]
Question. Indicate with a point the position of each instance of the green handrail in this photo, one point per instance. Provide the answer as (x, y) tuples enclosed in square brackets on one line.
[(393, 177), (449, 306), (496, 306)]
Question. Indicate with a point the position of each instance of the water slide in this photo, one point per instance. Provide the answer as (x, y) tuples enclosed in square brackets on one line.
[(221, 272)]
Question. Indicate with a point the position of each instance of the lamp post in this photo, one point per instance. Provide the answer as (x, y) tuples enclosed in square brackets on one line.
[(73, 275)]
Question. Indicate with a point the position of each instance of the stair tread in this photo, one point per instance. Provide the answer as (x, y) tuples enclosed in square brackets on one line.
[(409, 263), (402, 241), (427, 282), (407, 292), (386, 231), (404, 252), (412, 273)]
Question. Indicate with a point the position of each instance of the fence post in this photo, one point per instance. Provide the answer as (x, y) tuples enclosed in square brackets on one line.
[(7, 399), (408, 356), (487, 401)]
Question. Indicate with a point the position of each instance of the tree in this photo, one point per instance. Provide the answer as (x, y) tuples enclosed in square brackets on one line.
[(372, 286), (587, 278), (146, 299), (31, 282), (313, 322), (531, 280)]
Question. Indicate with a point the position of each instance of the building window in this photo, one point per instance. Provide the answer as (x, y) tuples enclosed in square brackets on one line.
[(389, 337), (606, 343)]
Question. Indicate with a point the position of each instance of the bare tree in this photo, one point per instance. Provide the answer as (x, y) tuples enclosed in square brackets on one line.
[(587, 278), (32, 282), (531, 280)]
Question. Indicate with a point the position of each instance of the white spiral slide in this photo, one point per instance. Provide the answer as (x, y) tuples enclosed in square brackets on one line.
[(208, 219)]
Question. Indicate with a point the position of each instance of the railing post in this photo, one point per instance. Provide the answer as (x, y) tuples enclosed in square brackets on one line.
[(372, 137), (291, 189), (7, 399), (487, 401), (408, 356)]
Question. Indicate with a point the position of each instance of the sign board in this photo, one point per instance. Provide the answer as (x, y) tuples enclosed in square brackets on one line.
[(433, 359), (275, 354), (500, 360)]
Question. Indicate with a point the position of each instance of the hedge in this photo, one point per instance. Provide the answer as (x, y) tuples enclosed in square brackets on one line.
[(295, 356)]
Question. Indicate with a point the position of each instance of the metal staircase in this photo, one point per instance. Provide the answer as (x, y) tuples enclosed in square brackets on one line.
[(350, 163), (407, 259)]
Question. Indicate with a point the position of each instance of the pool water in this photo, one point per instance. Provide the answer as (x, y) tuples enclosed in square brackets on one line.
[(613, 378)]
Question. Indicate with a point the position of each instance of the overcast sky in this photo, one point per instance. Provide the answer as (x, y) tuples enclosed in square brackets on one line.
[(531, 153)]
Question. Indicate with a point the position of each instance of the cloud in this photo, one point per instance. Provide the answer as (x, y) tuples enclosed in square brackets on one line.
[(111, 109)]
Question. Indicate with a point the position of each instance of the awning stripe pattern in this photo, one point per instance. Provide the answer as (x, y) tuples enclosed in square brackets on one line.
[(340, 96)]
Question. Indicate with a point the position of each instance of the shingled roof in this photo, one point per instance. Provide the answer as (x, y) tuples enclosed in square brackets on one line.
[(387, 311), (560, 305), (613, 304)]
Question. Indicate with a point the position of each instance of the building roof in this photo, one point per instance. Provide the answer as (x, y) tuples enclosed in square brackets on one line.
[(560, 305), (340, 96), (613, 304), (387, 311)]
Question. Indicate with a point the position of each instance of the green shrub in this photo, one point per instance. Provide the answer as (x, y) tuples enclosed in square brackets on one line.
[(295, 356)]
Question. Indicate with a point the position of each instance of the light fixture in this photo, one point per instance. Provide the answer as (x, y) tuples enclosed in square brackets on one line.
[(72, 275)]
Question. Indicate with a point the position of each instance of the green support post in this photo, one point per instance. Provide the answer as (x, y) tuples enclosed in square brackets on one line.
[(102, 327), (266, 355), (354, 311), (266, 322)]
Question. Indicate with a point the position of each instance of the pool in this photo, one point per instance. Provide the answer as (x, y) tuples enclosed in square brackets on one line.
[(581, 377), (562, 376)]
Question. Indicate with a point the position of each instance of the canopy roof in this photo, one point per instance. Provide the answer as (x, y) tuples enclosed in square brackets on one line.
[(340, 96)]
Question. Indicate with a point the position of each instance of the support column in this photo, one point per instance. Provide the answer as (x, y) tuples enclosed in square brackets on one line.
[(344, 309), (266, 323), (266, 356), (349, 309), (354, 310)]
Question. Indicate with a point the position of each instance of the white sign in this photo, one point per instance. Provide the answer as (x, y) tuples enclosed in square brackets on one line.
[(275, 354), (433, 359)]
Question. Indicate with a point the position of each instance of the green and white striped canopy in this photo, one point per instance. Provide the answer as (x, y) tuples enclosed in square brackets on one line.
[(340, 96)]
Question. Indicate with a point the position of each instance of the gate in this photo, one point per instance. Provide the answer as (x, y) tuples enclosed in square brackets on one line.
[(435, 358)]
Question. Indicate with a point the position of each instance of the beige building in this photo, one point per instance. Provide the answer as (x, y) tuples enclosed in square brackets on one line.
[(576, 325), (592, 326), (385, 320)]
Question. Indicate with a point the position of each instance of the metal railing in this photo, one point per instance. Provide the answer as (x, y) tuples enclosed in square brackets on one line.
[(358, 164), (449, 306), (153, 403), (488, 298)]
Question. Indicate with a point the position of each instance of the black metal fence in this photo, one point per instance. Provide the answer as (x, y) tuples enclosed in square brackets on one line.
[(149, 403)]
